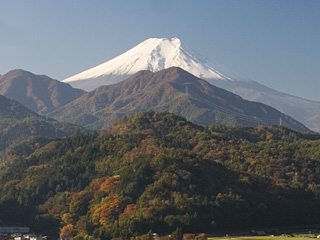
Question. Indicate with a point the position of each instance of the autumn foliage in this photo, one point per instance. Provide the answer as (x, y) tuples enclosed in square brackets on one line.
[(158, 171)]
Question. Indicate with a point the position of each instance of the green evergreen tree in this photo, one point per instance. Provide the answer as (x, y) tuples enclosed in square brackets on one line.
[(177, 234)]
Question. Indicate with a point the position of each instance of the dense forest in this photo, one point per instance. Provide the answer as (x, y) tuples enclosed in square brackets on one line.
[(158, 171)]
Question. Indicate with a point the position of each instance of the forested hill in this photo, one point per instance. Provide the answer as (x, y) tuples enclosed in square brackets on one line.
[(157, 171), (18, 123)]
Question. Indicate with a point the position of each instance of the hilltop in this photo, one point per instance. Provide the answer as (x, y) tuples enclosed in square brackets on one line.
[(174, 90), (39, 93), (158, 171)]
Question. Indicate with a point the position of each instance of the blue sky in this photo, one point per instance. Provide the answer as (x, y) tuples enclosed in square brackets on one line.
[(274, 42)]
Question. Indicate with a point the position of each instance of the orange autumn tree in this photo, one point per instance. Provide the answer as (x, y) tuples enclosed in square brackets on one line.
[(107, 204), (67, 231), (99, 205)]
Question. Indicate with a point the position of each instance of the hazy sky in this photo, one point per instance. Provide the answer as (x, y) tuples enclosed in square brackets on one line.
[(274, 42)]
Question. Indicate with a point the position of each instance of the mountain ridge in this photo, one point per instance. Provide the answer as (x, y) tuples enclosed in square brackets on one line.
[(156, 53), (18, 123), (174, 90), (160, 172), (39, 93), (13, 109)]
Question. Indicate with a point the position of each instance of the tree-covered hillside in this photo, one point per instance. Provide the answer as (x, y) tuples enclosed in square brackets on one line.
[(18, 123), (157, 171)]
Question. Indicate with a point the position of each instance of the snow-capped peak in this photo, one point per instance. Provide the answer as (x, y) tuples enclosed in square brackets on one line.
[(153, 54), (158, 53)]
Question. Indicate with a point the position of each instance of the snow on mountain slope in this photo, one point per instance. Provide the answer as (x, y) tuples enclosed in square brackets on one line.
[(155, 54)]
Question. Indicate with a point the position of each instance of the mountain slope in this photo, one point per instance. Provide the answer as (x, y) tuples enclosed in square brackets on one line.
[(305, 111), (13, 109), (158, 171), (155, 54), (173, 90), (18, 123), (39, 93)]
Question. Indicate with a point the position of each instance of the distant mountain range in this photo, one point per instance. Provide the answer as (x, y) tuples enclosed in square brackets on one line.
[(126, 90), (39, 93), (155, 54), (173, 90)]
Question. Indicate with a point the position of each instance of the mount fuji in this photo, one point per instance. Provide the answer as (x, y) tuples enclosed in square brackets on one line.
[(155, 54)]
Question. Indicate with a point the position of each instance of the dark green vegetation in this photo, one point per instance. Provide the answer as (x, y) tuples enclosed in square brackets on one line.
[(157, 171), (173, 90), (18, 123)]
